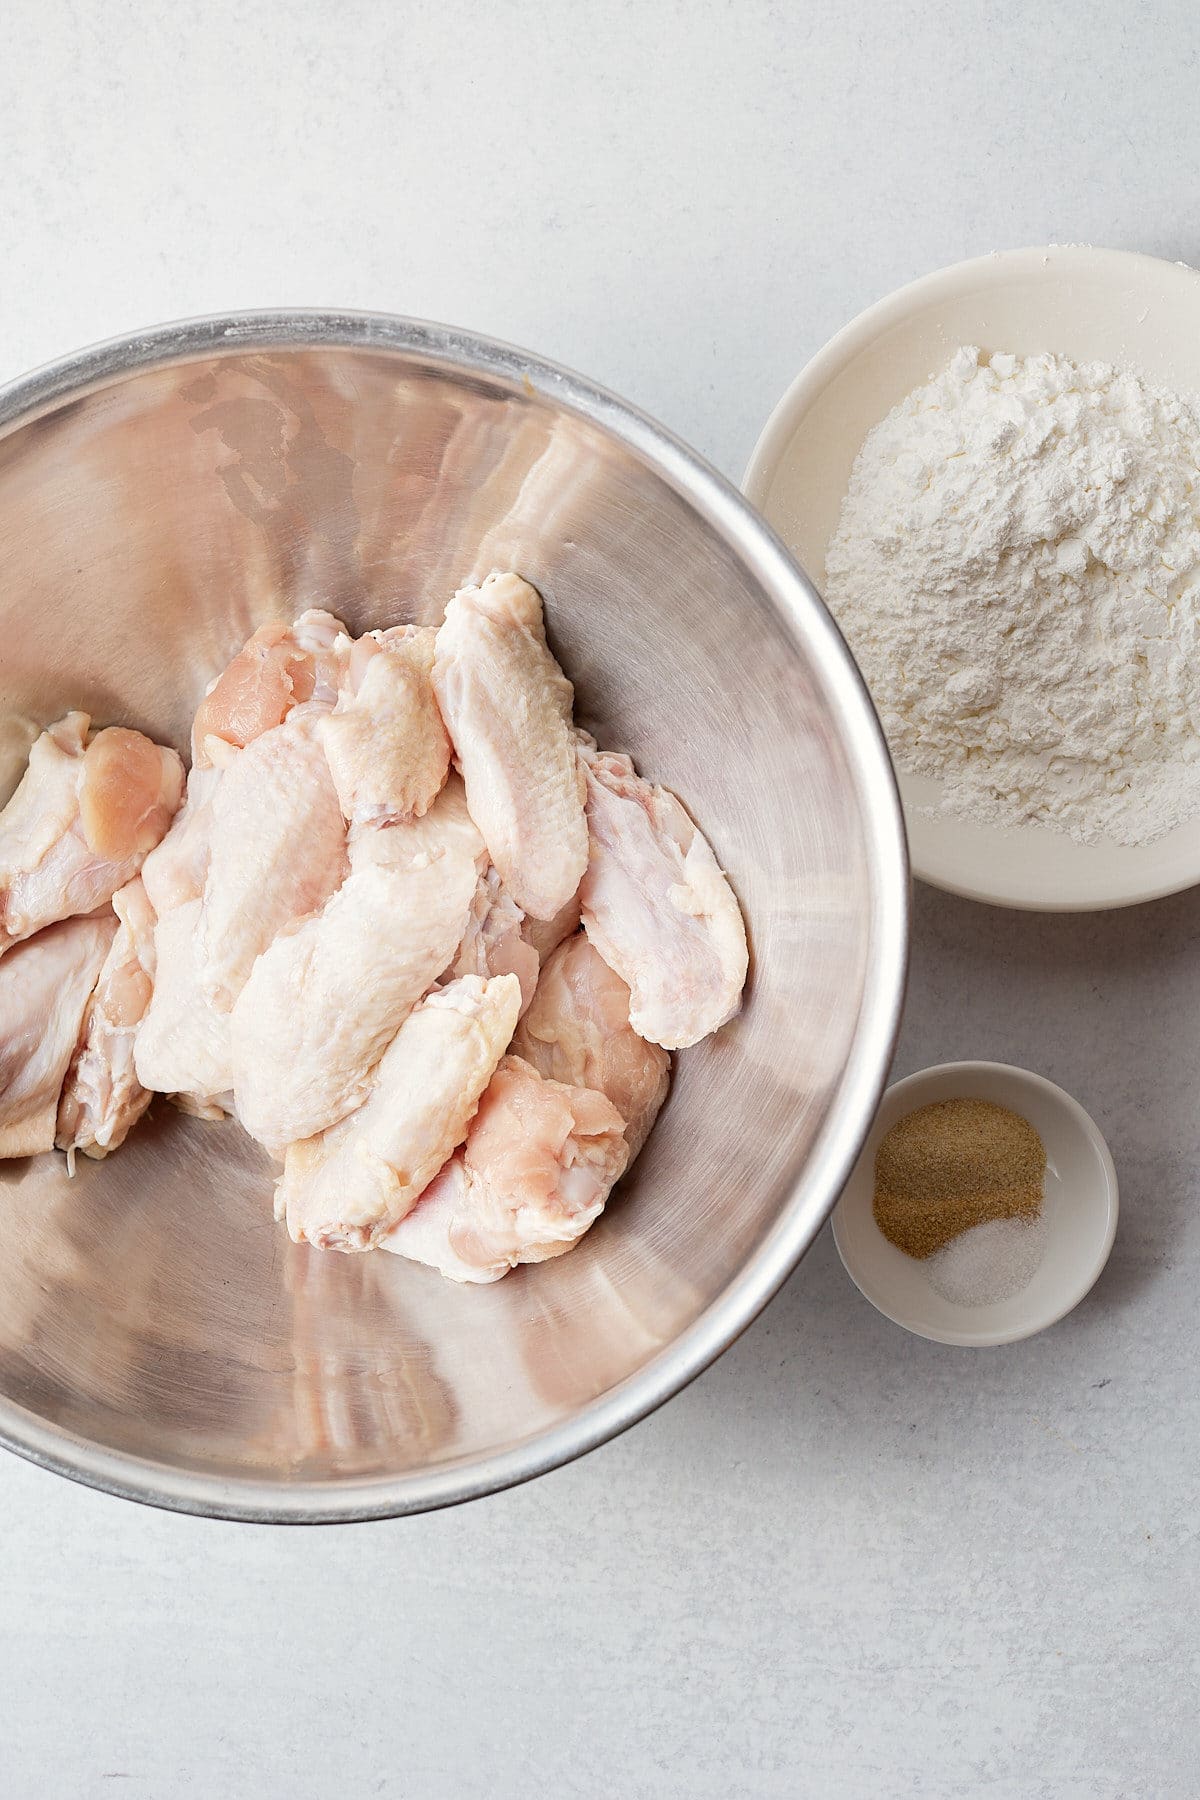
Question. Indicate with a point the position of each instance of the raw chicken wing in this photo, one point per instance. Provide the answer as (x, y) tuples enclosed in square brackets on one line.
[(81, 822), (507, 706), (344, 1189), (386, 743), (174, 872), (577, 1031), (494, 943), (277, 850), (44, 988), (279, 667), (539, 1162), (182, 1047), (658, 908), (324, 1000), (424, 1234), (102, 1098)]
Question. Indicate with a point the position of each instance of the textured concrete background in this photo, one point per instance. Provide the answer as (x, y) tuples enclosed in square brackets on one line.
[(845, 1563)]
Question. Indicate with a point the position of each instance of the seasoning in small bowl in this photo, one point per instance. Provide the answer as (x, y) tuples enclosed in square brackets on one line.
[(983, 1206), (958, 1185)]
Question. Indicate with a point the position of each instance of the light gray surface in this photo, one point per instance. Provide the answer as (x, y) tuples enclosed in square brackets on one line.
[(845, 1563)]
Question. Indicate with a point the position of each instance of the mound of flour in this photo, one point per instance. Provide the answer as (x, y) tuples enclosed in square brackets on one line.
[(1017, 571)]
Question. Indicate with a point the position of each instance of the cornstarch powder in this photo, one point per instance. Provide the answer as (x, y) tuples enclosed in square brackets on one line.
[(1017, 571)]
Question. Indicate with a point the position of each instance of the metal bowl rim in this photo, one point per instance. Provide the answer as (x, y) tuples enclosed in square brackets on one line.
[(795, 600)]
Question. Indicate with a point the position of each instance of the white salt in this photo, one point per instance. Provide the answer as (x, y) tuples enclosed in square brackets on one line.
[(991, 1262)]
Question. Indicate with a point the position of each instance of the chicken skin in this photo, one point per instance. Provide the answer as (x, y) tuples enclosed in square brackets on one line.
[(277, 850), (102, 1098), (45, 984), (324, 1000), (278, 668), (507, 706), (175, 871), (538, 1163), (271, 694), (345, 1189), (577, 1032), (424, 1235), (81, 822), (183, 1046), (657, 907), (386, 743)]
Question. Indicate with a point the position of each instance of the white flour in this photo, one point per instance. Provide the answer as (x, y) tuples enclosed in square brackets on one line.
[(1017, 570)]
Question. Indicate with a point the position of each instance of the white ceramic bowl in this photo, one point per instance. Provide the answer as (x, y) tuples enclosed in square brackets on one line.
[(1135, 311), (1079, 1203)]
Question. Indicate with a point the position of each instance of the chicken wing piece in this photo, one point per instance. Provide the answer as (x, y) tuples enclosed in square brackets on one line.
[(81, 822), (182, 1046), (658, 908), (324, 1000), (278, 668), (493, 942), (538, 1165), (424, 1234), (344, 1189), (44, 988), (385, 740), (102, 1098), (507, 706), (277, 850), (175, 871), (577, 1032)]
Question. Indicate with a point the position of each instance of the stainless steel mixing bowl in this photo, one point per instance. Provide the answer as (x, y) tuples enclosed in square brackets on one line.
[(159, 497)]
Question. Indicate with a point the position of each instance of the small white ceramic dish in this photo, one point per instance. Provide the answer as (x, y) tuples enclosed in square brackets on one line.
[(1079, 1204), (1136, 311)]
